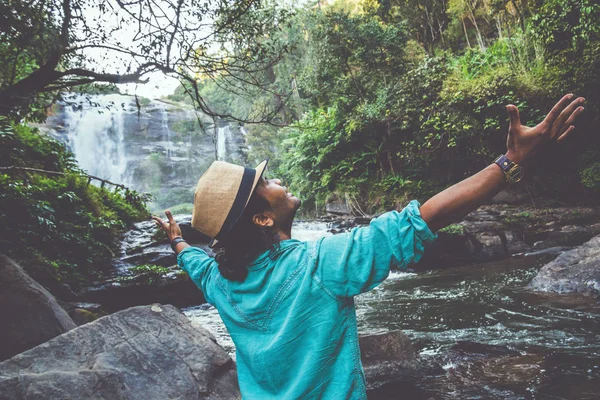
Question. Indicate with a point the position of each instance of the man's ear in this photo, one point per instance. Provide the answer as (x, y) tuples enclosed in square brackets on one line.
[(262, 220)]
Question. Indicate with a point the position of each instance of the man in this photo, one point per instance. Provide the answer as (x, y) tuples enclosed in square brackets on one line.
[(288, 305)]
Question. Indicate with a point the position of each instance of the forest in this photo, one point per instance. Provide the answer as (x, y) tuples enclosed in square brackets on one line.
[(371, 102), (381, 102)]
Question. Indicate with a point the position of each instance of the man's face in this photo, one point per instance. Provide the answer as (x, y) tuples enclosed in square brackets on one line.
[(283, 203)]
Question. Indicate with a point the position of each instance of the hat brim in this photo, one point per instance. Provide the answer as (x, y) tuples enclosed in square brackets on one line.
[(260, 169)]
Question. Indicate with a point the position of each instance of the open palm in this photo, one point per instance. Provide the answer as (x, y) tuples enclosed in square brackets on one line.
[(523, 141)]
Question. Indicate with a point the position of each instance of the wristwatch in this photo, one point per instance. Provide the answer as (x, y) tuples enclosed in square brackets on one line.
[(513, 172)]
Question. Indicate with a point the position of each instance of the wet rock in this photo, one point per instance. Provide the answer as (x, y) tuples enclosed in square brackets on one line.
[(491, 246), (515, 242), (574, 271), (338, 208), (157, 254), (510, 196), (387, 358), (82, 316), (29, 314), (150, 352), (494, 232), (569, 235), (145, 244), (550, 250), (116, 294), (465, 349)]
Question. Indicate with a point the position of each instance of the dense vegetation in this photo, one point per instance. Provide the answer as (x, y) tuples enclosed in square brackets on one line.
[(370, 101), (389, 100), (56, 224), (59, 226)]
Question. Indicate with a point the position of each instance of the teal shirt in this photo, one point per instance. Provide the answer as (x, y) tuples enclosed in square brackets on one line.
[(293, 320)]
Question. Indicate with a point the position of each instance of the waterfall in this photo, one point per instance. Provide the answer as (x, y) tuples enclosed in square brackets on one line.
[(164, 119), (224, 139), (95, 134), (158, 148)]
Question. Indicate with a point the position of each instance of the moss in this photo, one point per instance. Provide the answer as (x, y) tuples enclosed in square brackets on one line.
[(58, 223), (454, 229)]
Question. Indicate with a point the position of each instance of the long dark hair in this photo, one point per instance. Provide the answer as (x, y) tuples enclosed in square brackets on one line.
[(245, 241)]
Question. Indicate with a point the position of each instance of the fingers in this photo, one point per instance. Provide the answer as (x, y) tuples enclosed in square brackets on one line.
[(564, 135), (574, 116), (570, 113), (159, 222), (557, 109), (169, 216), (513, 115)]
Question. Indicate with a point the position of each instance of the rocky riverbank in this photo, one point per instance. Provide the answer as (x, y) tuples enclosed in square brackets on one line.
[(492, 232), (498, 231), (151, 352), (108, 356)]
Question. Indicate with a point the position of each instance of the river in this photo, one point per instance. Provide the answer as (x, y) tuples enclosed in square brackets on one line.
[(481, 333)]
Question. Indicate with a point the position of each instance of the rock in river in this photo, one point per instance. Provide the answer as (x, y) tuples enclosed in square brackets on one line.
[(387, 358), (574, 271), (29, 314), (146, 352)]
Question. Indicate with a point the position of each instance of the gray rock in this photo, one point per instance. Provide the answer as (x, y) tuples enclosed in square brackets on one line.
[(338, 208), (116, 294), (510, 196), (82, 316), (30, 315), (574, 271), (387, 358), (492, 246), (569, 235), (148, 352)]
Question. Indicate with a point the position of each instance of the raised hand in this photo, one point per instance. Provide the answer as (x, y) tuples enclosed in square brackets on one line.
[(170, 227), (523, 141)]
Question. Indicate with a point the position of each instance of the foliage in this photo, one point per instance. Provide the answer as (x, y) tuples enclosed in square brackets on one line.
[(590, 177), (149, 269), (58, 221), (150, 272), (52, 45), (454, 229), (399, 99)]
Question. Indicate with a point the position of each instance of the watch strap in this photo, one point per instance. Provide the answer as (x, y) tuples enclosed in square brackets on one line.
[(504, 163)]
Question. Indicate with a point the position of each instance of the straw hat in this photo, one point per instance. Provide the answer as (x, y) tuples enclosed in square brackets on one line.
[(221, 196)]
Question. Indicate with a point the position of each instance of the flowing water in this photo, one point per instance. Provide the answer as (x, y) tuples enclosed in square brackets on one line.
[(97, 136), (480, 333)]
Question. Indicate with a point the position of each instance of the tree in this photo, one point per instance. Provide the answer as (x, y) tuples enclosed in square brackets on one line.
[(53, 45)]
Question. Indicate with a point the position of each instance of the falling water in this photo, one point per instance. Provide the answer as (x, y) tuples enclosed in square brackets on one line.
[(164, 119), (96, 135), (159, 148), (224, 138)]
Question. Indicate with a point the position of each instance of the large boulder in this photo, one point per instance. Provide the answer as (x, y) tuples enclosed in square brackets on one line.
[(574, 271), (30, 315), (146, 352)]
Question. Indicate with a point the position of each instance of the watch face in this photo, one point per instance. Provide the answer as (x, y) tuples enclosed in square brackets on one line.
[(515, 174)]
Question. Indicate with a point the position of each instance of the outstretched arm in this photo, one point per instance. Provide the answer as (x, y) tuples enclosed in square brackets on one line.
[(454, 203)]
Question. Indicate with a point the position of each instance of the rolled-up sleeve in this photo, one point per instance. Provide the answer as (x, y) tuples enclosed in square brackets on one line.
[(357, 261), (200, 267)]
